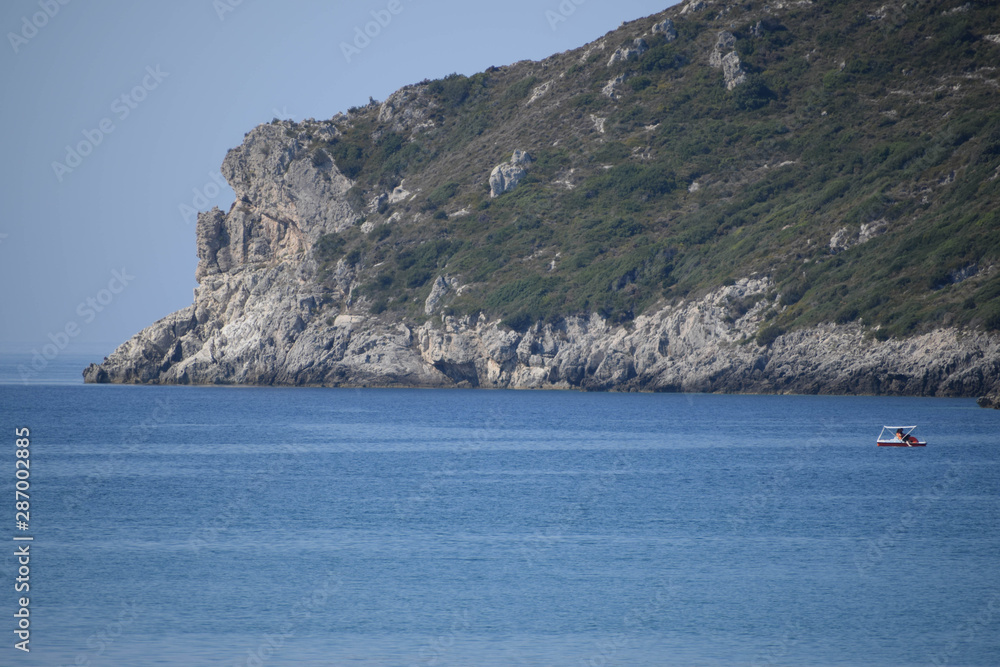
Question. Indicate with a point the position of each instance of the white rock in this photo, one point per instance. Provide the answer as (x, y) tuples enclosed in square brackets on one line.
[(622, 54), (505, 177), (442, 285), (399, 193), (667, 29), (870, 230), (539, 91), (725, 41), (732, 70), (694, 6), (611, 88)]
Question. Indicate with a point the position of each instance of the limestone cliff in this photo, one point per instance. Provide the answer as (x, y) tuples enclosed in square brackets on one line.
[(259, 317), (392, 246)]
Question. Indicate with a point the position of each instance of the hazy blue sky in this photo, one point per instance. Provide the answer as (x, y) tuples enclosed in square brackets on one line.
[(150, 96)]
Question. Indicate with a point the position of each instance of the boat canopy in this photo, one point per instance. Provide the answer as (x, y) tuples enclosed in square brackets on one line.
[(892, 432)]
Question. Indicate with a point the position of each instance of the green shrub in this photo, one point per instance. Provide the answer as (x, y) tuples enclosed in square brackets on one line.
[(629, 180), (846, 315), (639, 83), (518, 91), (451, 91), (329, 248), (768, 334), (991, 318), (752, 94), (442, 193), (319, 158)]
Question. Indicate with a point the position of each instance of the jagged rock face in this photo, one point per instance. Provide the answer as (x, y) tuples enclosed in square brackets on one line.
[(666, 28), (442, 285), (732, 70), (505, 177), (286, 194), (725, 42), (265, 326), (260, 315), (611, 88), (990, 401), (622, 54), (724, 56), (408, 110)]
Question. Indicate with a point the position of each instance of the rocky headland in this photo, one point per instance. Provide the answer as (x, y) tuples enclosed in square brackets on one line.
[(269, 310)]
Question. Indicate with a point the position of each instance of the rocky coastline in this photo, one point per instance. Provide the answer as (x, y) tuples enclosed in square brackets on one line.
[(263, 315), (260, 317)]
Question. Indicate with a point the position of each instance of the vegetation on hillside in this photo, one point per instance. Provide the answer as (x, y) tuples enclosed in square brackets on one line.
[(868, 124)]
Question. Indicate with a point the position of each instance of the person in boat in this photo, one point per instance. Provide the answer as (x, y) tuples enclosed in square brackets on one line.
[(904, 438)]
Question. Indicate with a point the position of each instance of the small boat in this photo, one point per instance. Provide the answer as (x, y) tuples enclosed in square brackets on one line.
[(889, 437)]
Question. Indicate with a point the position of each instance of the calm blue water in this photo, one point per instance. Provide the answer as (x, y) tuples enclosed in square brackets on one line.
[(258, 526)]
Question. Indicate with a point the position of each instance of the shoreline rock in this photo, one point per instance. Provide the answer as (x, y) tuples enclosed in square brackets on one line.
[(265, 312), (989, 401), (262, 326)]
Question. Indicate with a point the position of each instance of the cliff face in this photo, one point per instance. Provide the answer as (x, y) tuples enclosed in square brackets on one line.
[(260, 317), (264, 326), (314, 275)]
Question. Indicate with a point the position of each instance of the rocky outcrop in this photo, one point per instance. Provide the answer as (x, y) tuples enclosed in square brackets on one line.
[(693, 6), (724, 43), (441, 286), (990, 401), (623, 53), (505, 177), (612, 87), (665, 28), (725, 56), (265, 326), (265, 312), (284, 187), (732, 70), (845, 237)]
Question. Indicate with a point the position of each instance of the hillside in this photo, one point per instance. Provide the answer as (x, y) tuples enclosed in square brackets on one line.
[(847, 120), (812, 171)]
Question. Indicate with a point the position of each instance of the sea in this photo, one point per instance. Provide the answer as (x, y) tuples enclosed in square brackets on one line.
[(259, 526)]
